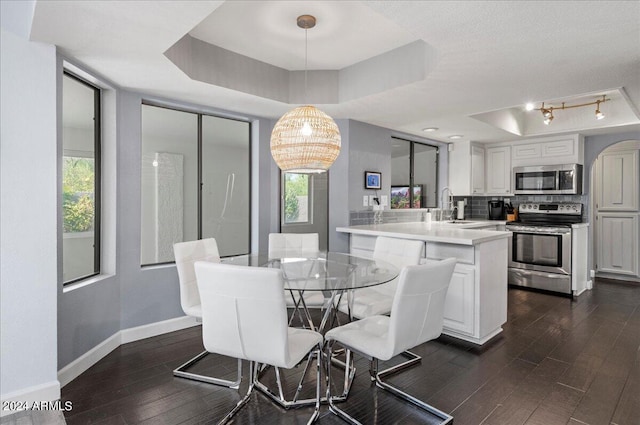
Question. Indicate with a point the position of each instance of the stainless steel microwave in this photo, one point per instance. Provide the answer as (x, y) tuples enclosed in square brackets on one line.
[(564, 179)]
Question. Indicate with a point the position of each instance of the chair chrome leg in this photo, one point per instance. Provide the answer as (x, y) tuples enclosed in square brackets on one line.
[(304, 373), (332, 407), (279, 381), (447, 419), (377, 377), (316, 411), (414, 359), (252, 376), (279, 398), (181, 372)]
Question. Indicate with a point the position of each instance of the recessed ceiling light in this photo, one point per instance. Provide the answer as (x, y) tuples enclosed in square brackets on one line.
[(428, 129), (529, 106), (455, 136)]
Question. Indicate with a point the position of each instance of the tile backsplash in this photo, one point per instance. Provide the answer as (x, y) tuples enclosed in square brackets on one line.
[(477, 207)]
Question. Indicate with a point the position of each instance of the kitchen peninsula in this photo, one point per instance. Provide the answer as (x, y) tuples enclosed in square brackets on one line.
[(476, 304)]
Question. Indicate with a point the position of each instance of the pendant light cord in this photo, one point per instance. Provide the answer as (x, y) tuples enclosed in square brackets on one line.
[(305, 63)]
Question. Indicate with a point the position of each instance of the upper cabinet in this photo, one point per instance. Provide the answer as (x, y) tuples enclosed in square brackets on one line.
[(549, 151), (477, 170), (466, 169), (498, 170), (617, 186)]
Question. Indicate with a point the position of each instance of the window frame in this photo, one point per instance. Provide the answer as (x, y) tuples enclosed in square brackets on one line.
[(412, 144), (97, 157), (310, 196), (199, 115)]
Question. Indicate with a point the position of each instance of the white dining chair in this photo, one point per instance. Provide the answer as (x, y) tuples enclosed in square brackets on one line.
[(297, 244), (378, 299), (245, 316), (186, 254), (416, 317)]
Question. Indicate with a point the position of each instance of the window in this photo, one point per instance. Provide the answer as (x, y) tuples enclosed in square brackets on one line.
[(297, 198), (80, 179), (195, 182), (413, 165)]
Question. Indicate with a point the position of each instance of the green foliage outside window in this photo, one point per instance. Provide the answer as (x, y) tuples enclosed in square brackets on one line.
[(78, 182), (295, 185)]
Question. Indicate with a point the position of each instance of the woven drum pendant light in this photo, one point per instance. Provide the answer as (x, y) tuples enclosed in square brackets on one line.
[(305, 139)]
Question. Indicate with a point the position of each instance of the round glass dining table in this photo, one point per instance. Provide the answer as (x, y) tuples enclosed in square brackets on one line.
[(333, 273)]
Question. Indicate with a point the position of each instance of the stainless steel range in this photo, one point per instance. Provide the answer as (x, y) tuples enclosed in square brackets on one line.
[(540, 252)]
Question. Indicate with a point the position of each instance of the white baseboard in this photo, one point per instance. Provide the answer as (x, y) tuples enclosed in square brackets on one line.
[(43, 392), (91, 357), (88, 359), (158, 328)]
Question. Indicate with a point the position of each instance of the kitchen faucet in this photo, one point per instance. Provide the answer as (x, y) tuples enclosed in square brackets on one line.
[(449, 205)]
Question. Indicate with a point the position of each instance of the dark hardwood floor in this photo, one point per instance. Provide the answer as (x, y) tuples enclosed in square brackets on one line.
[(558, 361)]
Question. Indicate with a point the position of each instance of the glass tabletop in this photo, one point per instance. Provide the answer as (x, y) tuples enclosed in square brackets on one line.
[(322, 271)]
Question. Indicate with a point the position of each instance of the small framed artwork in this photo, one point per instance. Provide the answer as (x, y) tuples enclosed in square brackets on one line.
[(372, 180)]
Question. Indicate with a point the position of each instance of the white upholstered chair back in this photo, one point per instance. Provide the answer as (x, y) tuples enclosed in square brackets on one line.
[(418, 306), (244, 312), (283, 244), (400, 253), (186, 254)]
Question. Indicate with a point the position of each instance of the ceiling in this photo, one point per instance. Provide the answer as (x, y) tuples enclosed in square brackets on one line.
[(486, 59)]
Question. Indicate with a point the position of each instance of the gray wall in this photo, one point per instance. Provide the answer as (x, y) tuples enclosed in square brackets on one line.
[(338, 196), (370, 150)]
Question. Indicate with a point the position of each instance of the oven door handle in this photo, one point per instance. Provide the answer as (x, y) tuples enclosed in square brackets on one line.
[(533, 232), (523, 272)]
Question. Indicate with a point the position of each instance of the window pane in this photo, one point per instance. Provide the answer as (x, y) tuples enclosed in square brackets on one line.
[(169, 209), (80, 251), (425, 173), (400, 168), (225, 184), (296, 198)]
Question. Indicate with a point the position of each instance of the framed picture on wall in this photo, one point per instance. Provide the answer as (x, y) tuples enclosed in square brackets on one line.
[(372, 180)]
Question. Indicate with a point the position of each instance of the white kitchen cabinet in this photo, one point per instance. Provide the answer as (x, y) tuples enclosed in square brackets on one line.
[(477, 170), (617, 186), (476, 304), (579, 258), (618, 243), (459, 307), (549, 151), (475, 307), (466, 169), (362, 245), (498, 170)]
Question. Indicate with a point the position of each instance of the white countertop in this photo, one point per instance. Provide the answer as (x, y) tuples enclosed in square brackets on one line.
[(579, 225), (460, 234)]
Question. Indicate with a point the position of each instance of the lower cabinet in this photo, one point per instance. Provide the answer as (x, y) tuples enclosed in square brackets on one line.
[(459, 308), (618, 236), (476, 305)]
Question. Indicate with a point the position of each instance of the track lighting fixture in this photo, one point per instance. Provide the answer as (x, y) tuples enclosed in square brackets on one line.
[(547, 111)]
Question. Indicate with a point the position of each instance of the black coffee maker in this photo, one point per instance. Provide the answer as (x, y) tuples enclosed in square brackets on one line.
[(496, 210)]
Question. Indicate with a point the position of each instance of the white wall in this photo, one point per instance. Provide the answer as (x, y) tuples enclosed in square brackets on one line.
[(28, 207)]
